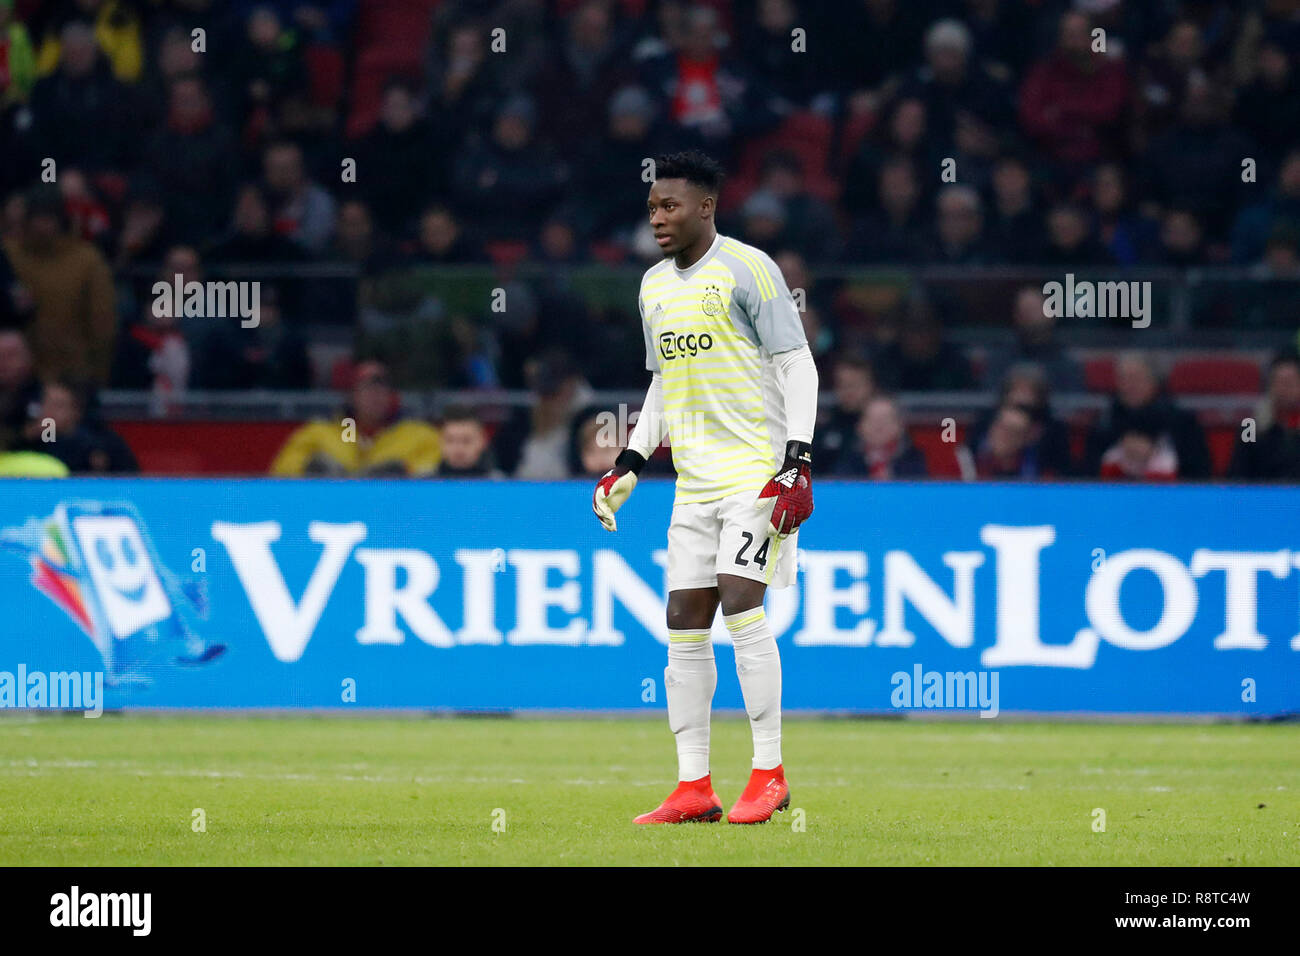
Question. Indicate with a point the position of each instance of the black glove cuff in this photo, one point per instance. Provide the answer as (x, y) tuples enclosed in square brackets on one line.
[(799, 452), (629, 460)]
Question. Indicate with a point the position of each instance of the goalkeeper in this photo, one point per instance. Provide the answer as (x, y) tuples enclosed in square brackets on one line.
[(734, 388)]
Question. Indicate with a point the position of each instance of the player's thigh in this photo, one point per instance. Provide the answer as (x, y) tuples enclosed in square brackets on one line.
[(693, 535), (746, 550)]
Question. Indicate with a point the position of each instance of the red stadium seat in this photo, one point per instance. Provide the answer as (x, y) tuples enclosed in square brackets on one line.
[(609, 253), (940, 456), (808, 135), (507, 252), (1214, 376), (1222, 440)]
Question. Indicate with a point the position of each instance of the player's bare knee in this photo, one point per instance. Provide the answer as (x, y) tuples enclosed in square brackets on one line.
[(739, 594)]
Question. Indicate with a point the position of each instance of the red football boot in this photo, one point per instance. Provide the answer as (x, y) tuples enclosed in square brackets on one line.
[(693, 800), (765, 793)]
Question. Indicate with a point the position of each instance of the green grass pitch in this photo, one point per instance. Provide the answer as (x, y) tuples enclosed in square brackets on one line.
[(393, 791)]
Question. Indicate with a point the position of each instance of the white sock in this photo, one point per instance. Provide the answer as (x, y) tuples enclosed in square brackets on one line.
[(758, 665), (689, 681)]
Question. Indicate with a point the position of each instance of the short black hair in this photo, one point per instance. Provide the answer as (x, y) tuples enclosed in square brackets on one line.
[(693, 166), (1287, 356)]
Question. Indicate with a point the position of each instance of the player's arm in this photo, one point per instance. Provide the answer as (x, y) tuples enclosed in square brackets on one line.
[(617, 483), (651, 426), (791, 487), (770, 307)]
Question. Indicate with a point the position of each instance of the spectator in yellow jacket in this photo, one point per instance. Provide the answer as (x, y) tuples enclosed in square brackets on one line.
[(117, 34), (17, 59), (368, 438)]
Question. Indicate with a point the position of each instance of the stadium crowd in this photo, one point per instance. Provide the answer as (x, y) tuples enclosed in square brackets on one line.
[(153, 138)]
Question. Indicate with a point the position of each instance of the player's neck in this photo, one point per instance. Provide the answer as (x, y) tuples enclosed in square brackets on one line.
[(696, 250)]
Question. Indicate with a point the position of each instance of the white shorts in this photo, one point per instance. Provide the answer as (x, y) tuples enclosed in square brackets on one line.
[(727, 536)]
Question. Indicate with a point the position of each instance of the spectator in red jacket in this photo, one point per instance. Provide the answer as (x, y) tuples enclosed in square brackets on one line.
[(883, 450), (1072, 102)]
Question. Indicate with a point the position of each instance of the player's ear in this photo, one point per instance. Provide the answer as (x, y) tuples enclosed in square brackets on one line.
[(707, 205)]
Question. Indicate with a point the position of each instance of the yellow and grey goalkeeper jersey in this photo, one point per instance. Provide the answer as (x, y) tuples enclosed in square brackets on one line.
[(711, 331)]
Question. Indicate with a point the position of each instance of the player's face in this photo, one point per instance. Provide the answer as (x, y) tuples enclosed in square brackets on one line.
[(678, 214)]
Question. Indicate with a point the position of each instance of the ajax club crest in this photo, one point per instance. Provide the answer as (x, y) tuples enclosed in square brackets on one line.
[(712, 301)]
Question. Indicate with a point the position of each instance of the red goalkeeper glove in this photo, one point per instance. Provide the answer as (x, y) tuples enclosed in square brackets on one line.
[(614, 487), (792, 489)]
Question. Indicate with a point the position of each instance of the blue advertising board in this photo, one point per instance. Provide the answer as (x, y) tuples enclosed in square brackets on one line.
[(483, 596)]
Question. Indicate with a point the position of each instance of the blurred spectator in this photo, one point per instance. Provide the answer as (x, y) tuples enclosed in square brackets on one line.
[(74, 326), (270, 354), (593, 452), (1139, 397), (15, 300), (465, 93), (510, 181), (708, 91), (959, 229), (267, 66), (1274, 452), (190, 160), (442, 240), (1015, 225), (882, 450), (534, 444), (874, 43), (920, 360), (583, 68), (20, 391), (357, 241), (1046, 452), (612, 164), (1072, 102), (1125, 235), (59, 427), (1256, 223), (810, 226), (853, 386), (1182, 240), (152, 354), (321, 21), (145, 232), (17, 60), (1070, 238), (763, 220), (251, 237), (1197, 163), (301, 209), (765, 44), (1004, 451), (1164, 78), (1143, 451), (956, 89), (466, 451), (401, 162), (368, 438), (1269, 108), (895, 233), (1036, 343), (904, 135), (84, 116), (113, 25)]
